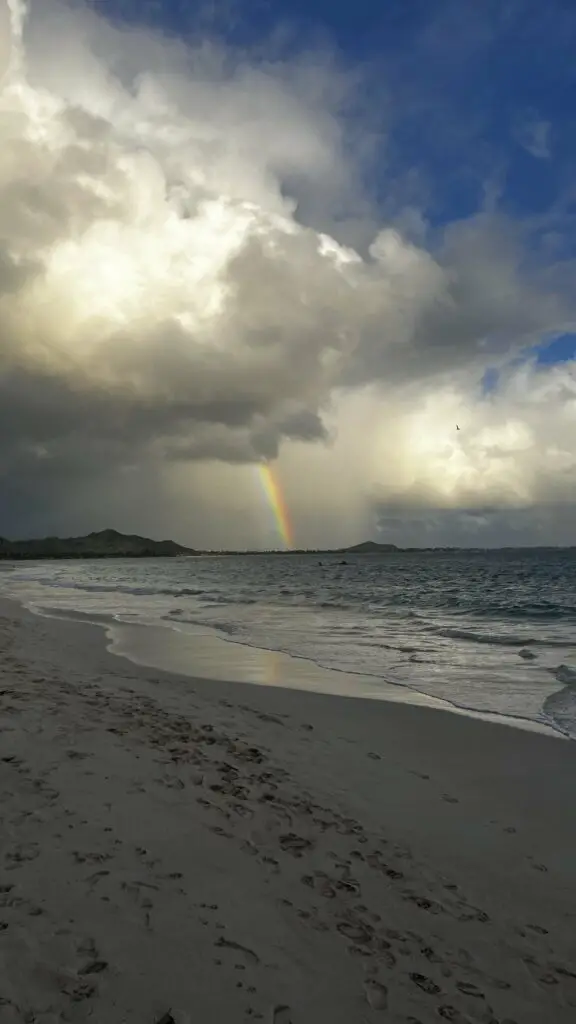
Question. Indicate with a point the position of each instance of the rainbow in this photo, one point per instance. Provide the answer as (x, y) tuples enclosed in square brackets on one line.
[(273, 493)]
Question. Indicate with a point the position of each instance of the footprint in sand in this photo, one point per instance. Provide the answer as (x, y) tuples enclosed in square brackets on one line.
[(539, 973), (20, 854), (94, 967), (87, 947), (565, 972), (269, 718), (431, 955), (241, 811), (474, 914), (170, 782), (452, 1014), (423, 903), (217, 830), (538, 929), (426, 984), (93, 879), (376, 994), (249, 954), (281, 1015), (468, 989), (386, 957), (294, 844), (357, 933), (90, 858), (76, 988)]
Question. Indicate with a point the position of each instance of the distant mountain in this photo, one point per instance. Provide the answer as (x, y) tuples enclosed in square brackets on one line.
[(370, 547), (106, 544)]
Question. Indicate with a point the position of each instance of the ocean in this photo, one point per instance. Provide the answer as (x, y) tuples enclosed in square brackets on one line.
[(486, 633)]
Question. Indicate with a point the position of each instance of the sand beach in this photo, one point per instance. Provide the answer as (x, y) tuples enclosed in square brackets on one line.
[(198, 851)]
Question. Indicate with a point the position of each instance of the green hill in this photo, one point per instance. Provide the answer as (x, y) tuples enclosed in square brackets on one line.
[(105, 544), (370, 547)]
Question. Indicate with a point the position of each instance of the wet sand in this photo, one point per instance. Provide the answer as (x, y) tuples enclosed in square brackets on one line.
[(212, 852)]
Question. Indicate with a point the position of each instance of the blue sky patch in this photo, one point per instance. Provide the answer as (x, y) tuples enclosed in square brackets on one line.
[(559, 350)]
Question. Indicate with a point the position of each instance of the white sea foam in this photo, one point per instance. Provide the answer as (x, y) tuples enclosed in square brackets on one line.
[(495, 648)]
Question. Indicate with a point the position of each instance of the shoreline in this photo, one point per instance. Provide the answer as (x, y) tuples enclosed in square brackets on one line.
[(224, 849), (227, 660)]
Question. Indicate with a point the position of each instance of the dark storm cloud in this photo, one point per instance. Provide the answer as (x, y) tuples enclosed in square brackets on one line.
[(172, 292)]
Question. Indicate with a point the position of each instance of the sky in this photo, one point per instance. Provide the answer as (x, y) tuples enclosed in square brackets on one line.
[(332, 239)]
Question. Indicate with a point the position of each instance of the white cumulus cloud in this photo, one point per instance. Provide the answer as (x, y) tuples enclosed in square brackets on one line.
[(186, 289)]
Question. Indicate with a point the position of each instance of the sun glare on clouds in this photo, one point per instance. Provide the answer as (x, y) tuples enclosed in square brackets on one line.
[(157, 274)]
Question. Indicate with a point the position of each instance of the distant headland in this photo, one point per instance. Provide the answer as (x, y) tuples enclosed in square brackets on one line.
[(105, 544), (112, 544)]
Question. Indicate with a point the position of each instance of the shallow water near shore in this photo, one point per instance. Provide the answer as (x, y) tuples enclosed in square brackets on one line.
[(489, 633)]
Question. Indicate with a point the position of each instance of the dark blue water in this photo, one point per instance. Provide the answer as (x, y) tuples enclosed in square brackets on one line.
[(488, 631)]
